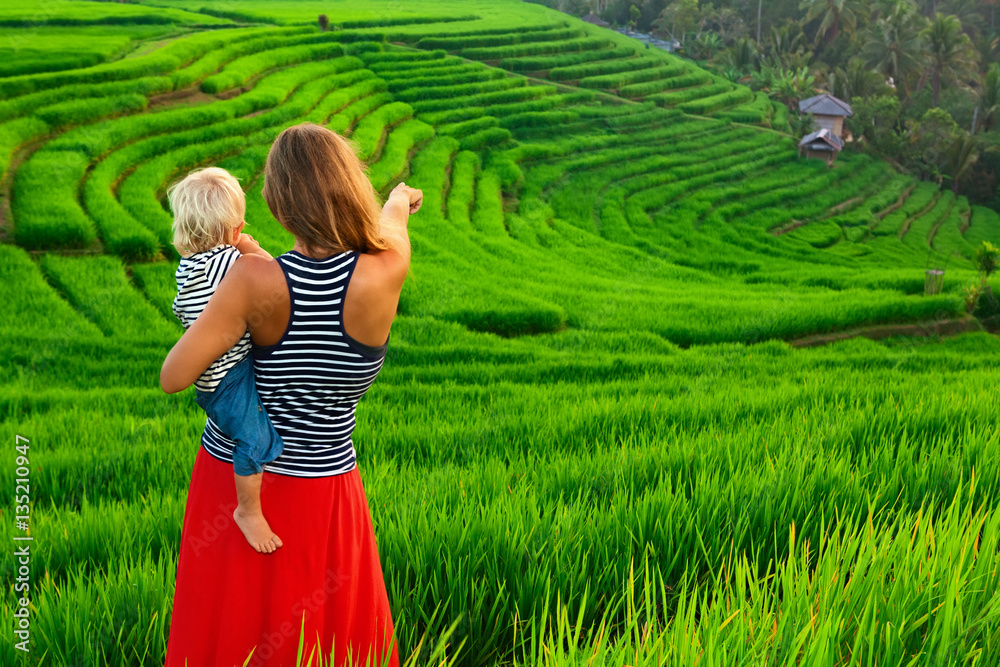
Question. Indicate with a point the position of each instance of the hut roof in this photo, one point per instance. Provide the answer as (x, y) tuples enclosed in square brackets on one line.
[(593, 18), (825, 105), (822, 140)]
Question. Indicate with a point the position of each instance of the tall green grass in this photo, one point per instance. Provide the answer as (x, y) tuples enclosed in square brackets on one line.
[(589, 443)]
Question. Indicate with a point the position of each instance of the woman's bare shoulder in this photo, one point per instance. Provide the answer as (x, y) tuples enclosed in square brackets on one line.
[(380, 272), (256, 272), (258, 283), (373, 295)]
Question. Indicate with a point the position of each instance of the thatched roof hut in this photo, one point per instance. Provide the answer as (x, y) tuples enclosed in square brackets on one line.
[(823, 144), (828, 111), (594, 19)]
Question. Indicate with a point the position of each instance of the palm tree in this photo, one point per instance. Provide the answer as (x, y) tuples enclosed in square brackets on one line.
[(992, 4), (855, 81), (786, 86), (786, 45), (961, 155), (928, 7), (760, 5), (969, 14), (880, 8), (742, 56), (835, 13), (894, 45), (989, 96), (949, 54), (786, 38), (987, 49), (707, 44)]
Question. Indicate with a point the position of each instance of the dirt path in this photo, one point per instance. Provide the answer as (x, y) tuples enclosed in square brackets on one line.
[(147, 46), (405, 173), (966, 221), (899, 202), (940, 223), (839, 208), (7, 186), (6, 230), (830, 212), (189, 96), (950, 327), (904, 229), (447, 184), (791, 226)]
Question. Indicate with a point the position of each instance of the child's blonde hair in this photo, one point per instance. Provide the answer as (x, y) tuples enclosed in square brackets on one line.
[(208, 205)]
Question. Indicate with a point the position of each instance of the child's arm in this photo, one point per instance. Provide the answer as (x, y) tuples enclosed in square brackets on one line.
[(247, 246)]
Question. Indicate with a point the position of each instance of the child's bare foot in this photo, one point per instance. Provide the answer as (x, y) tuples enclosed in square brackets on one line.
[(257, 531)]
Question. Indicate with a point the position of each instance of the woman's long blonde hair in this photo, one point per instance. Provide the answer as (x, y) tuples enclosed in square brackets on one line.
[(316, 187)]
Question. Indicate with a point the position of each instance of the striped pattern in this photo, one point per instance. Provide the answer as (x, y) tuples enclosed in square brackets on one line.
[(310, 382), (198, 275)]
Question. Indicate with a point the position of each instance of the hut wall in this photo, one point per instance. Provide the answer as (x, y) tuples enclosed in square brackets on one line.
[(833, 123), (826, 156), (829, 122)]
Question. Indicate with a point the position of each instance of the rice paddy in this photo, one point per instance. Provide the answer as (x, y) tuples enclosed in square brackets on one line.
[(592, 441)]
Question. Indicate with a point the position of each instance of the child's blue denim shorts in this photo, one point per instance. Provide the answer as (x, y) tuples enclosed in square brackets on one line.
[(236, 409)]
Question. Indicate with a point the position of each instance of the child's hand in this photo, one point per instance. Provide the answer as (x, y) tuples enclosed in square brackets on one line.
[(247, 245)]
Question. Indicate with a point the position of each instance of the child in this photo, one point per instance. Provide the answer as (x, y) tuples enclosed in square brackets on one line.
[(208, 208)]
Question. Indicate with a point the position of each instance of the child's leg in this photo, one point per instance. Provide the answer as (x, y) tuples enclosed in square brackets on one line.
[(249, 516), (235, 408)]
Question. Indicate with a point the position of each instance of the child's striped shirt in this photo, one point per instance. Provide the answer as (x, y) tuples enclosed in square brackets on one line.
[(198, 275)]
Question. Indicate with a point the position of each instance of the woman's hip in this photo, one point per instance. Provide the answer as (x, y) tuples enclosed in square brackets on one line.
[(327, 576)]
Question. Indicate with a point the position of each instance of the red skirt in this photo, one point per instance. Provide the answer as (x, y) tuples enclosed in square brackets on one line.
[(231, 600)]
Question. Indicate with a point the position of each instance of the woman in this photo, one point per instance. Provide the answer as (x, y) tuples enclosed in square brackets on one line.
[(319, 317)]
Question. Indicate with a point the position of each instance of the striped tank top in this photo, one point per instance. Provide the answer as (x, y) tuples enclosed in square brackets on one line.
[(198, 276), (311, 380)]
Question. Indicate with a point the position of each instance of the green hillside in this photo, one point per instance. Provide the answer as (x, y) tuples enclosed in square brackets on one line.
[(590, 414)]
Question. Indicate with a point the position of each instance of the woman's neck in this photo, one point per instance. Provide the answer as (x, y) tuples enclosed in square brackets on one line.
[(312, 254)]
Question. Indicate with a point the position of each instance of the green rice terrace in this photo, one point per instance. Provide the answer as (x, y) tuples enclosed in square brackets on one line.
[(597, 438)]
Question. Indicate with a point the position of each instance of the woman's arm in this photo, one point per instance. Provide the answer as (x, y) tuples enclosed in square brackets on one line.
[(220, 326), (373, 293), (403, 201)]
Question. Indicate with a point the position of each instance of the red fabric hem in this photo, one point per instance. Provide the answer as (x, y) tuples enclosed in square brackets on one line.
[(326, 581)]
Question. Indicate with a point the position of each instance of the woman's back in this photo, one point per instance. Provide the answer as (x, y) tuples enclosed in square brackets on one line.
[(311, 380)]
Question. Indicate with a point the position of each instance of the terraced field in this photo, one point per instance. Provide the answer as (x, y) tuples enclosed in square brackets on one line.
[(589, 416)]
